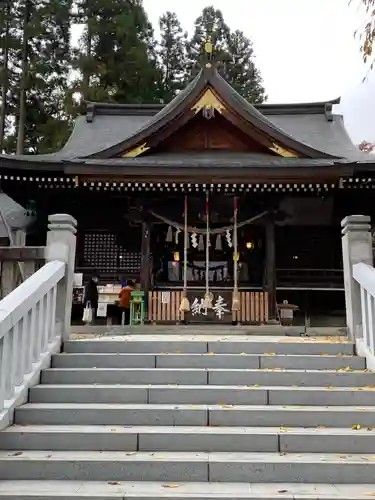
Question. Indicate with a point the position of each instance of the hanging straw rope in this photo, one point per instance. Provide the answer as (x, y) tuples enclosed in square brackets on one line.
[(196, 230), (208, 297), (185, 305), (235, 295)]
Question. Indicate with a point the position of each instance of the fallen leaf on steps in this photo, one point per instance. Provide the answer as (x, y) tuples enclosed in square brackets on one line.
[(131, 453), (323, 354), (170, 485), (356, 427), (16, 454), (224, 405), (195, 406), (114, 483), (211, 353), (243, 354), (282, 491), (269, 354)]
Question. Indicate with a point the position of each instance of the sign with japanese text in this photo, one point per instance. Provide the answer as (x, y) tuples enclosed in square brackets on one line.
[(220, 312)]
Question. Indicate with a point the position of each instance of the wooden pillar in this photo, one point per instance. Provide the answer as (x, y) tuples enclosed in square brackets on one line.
[(145, 256), (271, 266)]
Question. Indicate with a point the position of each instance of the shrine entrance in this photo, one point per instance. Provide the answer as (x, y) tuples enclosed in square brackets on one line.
[(212, 261)]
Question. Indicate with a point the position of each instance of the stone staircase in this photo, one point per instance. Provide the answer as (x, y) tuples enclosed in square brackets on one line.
[(206, 417)]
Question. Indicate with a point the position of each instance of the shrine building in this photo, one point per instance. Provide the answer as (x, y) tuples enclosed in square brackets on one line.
[(263, 189)]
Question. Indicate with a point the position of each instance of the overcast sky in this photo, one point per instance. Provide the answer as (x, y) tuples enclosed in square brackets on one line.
[(305, 50)]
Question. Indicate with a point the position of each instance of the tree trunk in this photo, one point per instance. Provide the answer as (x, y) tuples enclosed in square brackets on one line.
[(24, 78), (5, 82), (86, 73)]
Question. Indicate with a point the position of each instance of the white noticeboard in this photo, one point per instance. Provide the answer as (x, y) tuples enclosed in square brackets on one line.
[(78, 279), (102, 310), (165, 297)]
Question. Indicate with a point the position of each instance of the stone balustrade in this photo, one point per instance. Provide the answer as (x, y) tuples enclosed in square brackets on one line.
[(35, 318), (359, 279)]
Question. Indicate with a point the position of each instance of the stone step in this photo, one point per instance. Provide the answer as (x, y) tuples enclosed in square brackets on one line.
[(205, 394), (205, 344), (206, 360), (185, 466), (223, 415), (200, 439), (115, 490), (198, 376)]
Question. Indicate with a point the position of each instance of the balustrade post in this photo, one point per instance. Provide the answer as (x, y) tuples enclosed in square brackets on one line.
[(61, 245), (356, 247)]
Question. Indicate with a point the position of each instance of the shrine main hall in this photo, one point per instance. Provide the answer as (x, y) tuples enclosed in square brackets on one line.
[(208, 198)]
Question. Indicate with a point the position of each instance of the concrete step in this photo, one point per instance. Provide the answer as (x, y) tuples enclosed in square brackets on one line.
[(200, 439), (207, 360), (206, 394), (206, 344), (223, 415), (185, 466), (77, 490), (199, 376)]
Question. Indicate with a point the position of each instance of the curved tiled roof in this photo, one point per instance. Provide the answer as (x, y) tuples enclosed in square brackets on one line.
[(208, 77)]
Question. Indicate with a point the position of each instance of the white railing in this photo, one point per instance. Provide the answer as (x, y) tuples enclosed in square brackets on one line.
[(365, 334), (359, 281), (28, 333), (35, 317)]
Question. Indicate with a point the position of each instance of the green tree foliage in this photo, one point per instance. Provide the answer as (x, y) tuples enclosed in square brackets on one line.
[(240, 70), (116, 58), (233, 54), (210, 25), (37, 75), (172, 55)]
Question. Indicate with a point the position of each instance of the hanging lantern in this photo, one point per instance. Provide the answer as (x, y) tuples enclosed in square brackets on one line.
[(218, 245), (176, 236), (201, 243), (176, 256), (169, 237)]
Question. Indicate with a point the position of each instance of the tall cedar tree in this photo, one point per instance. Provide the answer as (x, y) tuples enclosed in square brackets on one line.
[(5, 44), (210, 25), (240, 71), (233, 53), (38, 75), (116, 57), (172, 55)]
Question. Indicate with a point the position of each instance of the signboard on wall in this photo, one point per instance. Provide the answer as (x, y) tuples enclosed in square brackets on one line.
[(220, 312)]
